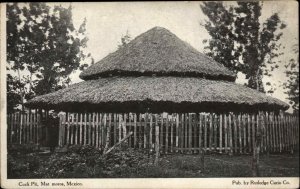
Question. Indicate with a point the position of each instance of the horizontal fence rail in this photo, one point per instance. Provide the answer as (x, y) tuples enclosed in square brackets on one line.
[(181, 132)]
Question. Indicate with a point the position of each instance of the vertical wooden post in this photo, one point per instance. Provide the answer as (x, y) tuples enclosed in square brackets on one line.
[(68, 127), (150, 130), (280, 132), (256, 150), (205, 132), (156, 144), (129, 129), (215, 122), (140, 125), (245, 132), (92, 129), (85, 129), (269, 132), (177, 131), (272, 132), (190, 132), (230, 135), (145, 127), (240, 132), (226, 133), (200, 133), (39, 124), (101, 130), (97, 130), (235, 133), (114, 128), (161, 130), (107, 143), (21, 127), (267, 124), (29, 125), (185, 131), (252, 132), (277, 121), (134, 134), (210, 131), (60, 132), (249, 132), (167, 134), (104, 130), (120, 127), (220, 133), (124, 126), (182, 126), (172, 134), (195, 133), (80, 129), (72, 128)]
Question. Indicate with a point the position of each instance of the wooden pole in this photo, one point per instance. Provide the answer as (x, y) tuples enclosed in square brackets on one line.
[(205, 132), (177, 131), (215, 136), (156, 144), (167, 134), (240, 132), (135, 130), (190, 132), (230, 135), (226, 133), (182, 123), (235, 133), (97, 130), (145, 127), (200, 133), (171, 133), (108, 134), (245, 132), (256, 150), (220, 132), (210, 131)]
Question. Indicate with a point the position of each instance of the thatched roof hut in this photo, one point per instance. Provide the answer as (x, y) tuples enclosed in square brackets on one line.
[(157, 72)]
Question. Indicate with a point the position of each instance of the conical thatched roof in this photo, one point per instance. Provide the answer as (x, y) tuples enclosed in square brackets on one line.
[(157, 72), (158, 52)]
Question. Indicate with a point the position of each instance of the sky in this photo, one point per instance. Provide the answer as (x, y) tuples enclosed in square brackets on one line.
[(107, 22)]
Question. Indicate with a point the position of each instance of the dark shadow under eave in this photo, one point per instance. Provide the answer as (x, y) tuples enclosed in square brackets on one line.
[(158, 107)]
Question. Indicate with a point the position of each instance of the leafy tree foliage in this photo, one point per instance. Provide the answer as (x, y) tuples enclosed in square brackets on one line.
[(292, 84), (241, 42), (125, 39), (43, 49)]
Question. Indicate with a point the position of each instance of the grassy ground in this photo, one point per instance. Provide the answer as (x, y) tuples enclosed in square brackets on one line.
[(85, 163), (273, 165)]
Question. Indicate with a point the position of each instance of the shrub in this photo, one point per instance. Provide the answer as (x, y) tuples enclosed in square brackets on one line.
[(22, 166)]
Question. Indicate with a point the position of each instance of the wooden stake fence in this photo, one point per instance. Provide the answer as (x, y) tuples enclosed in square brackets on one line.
[(181, 132)]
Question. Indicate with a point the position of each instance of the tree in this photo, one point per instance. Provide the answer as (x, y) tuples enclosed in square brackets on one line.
[(43, 48), (241, 42), (125, 39), (292, 84)]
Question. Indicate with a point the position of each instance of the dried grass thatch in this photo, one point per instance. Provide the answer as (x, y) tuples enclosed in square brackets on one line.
[(158, 52), (157, 94)]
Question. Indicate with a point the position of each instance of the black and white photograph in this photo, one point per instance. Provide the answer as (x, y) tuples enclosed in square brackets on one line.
[(201, 94)]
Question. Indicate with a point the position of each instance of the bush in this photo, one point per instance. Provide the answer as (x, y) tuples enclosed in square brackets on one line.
[(22, 166), (80, 162)]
